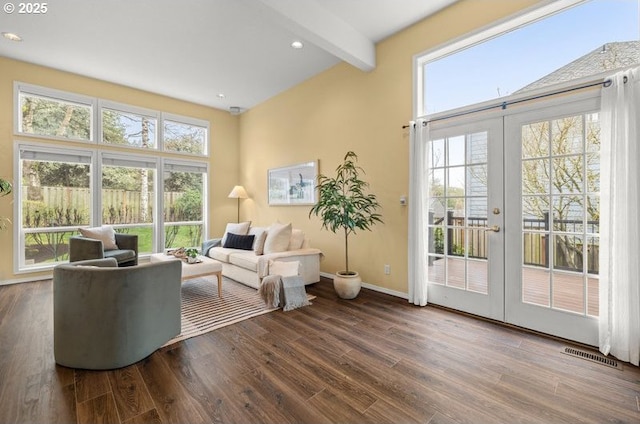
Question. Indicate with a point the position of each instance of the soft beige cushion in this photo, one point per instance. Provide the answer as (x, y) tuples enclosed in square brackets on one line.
[(258, 246), (284, 269), (105, 234), (220, 253), (241, 228), (296, 240), (246, 260), (260, 234), (278, 237)]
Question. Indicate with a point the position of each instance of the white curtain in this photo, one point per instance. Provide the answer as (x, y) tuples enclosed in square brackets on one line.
[(418, 213), (620, 218)]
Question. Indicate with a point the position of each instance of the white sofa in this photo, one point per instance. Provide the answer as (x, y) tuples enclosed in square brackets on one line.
[(276, 243)]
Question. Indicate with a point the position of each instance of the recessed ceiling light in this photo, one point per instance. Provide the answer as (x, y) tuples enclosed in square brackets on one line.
[(221, 96), (297, 45), (11, 36)]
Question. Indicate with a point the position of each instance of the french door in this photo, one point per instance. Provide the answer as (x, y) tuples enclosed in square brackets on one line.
[(513, 217), (552, 246), (466, 243)]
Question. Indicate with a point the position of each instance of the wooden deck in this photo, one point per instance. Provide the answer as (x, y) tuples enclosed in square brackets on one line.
[(558, 289)]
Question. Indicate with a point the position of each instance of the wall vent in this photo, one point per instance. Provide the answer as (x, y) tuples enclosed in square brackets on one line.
[(599, 359)]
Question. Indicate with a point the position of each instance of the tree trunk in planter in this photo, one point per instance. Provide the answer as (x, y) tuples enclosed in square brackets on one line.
[(347, 286)]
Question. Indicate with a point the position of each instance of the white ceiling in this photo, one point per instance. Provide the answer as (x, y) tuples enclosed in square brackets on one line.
[(195, 49)]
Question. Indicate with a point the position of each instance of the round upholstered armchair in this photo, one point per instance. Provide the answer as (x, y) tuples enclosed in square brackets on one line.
[(108, 317)]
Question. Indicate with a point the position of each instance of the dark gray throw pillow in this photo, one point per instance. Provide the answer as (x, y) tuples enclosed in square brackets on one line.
[(237, 241)]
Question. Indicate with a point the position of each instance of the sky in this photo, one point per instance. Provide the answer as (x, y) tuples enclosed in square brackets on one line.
[(505, 64)]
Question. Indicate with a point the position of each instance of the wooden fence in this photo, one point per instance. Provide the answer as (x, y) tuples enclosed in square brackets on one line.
[(118, 206)]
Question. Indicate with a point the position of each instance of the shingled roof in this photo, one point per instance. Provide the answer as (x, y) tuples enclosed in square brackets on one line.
[(614, 55)]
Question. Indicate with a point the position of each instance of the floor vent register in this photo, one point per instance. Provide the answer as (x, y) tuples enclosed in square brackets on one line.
[(599, 359)]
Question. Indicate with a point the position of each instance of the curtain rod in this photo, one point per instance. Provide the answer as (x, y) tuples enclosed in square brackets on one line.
[(503, 105)]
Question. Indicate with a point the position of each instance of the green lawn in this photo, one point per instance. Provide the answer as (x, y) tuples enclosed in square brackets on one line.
[(54, 246)]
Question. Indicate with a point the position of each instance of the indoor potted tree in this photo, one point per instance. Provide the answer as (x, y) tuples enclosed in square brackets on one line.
[(344, 205), (5, 189)]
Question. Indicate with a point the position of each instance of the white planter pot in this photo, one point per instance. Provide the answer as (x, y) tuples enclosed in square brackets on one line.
[(347, 286)]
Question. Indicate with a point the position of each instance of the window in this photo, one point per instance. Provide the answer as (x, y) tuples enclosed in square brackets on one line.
[(127, 126), (526, 54), (184, 207), (159, 198), (185, 135), (53, 114), (561, 210), (47, 113), (127, 197), (457, 182), (56, 198)]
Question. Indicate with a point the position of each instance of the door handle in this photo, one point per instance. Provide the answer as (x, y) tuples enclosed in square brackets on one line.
[(493, 228)]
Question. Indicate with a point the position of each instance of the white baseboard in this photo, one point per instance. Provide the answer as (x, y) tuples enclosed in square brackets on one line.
[(323, 274), (374, 287), (25, 280), (326, 275), (386, 291)]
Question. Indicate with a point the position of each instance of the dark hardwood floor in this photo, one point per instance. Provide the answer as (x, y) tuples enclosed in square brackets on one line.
[(376, 359)]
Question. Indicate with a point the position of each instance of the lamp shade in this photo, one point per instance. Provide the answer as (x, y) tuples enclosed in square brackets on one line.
[(238, 192)]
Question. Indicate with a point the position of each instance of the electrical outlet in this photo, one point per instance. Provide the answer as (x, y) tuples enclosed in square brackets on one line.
[(387, 269)]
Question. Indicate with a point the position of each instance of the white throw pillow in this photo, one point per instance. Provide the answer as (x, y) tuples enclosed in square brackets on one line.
[(105, 234), (284, 269), (296, 240), (241, 228), (260, 234), (278, 236), (257, 232)]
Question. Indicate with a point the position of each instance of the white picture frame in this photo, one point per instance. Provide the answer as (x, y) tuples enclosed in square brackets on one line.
[(293, 185)]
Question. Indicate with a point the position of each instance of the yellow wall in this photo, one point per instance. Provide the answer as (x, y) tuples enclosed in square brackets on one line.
[(345, 109), (224, 171), (339, 110)]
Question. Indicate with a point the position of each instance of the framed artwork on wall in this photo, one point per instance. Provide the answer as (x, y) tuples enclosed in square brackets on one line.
[(293, 184)]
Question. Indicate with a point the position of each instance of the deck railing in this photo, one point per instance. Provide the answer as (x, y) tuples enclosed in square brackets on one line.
[(569, 245)]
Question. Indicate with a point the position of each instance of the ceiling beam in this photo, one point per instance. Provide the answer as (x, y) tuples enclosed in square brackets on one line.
[(313, 23)]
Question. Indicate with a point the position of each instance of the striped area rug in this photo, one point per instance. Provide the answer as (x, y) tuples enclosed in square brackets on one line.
[(204, 311)]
